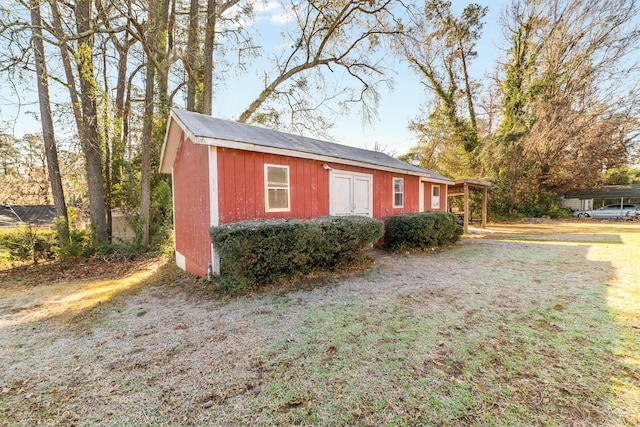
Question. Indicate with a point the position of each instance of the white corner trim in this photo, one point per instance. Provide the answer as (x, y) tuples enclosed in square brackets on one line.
[(173, 207), (214, 212), (181, 261), (214, 208)]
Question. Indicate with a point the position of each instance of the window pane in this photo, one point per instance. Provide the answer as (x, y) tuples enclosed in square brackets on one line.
[(398, 192), (435, 197), (277, 177), (397, 185), (278, 198)]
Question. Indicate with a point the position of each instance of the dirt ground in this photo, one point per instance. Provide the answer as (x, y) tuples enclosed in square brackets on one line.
[(519, 324)]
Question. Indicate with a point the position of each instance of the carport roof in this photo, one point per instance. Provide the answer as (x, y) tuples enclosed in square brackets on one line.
[(605, 192)]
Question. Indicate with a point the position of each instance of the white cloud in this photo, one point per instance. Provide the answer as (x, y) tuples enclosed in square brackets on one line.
[(273, 12), (282, 18), (261, 7)]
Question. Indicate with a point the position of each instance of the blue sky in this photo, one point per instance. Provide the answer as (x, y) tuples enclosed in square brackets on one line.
[(396, 107)]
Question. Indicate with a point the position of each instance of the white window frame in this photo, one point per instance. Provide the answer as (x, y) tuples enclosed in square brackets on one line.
[(393, 189), (267, 208), (435, 200)]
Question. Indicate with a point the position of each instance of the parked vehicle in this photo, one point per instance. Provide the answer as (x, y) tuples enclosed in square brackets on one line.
[(626, 211)]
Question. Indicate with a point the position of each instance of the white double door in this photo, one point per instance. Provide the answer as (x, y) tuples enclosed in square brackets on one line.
[(350, 193)]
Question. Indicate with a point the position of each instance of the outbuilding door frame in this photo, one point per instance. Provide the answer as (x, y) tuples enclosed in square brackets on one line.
[(358, 187)]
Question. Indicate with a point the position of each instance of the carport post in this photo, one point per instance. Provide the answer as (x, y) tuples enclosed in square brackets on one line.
[(484, 207), (621, 206), (465, 220)]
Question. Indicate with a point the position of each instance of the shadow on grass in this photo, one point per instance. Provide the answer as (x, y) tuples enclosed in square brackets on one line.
[(39, 300)]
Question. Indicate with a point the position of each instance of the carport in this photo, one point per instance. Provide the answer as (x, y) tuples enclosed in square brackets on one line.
[(461, 188), (628, 193)]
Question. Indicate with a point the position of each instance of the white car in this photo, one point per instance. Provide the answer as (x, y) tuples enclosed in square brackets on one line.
[(626, 211)]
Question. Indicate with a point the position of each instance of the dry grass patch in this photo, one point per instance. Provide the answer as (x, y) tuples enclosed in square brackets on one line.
[(529, 325)]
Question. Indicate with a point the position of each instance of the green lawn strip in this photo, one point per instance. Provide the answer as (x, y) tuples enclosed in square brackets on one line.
[(590, 240), (377, 369)]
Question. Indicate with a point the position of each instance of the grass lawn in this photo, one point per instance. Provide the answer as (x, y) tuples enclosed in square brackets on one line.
[(521, 324)]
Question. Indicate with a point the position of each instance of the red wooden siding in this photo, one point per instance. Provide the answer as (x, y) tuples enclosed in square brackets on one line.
[(428, 191), (191, 206), (241, 187)]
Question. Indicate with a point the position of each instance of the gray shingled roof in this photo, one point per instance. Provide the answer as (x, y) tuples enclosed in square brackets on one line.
[(37, 215), (209, 127)]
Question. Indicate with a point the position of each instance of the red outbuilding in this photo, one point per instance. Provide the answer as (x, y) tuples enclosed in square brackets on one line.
[(224, 171)]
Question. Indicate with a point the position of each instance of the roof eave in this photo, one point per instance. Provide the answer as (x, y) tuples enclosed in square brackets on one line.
[(441, 180), (172, 141)]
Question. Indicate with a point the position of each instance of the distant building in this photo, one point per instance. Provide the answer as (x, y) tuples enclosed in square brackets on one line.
[(593, 197), (40, 216)]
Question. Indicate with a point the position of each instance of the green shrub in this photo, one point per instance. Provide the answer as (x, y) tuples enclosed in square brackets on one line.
[(264, 251), (28, 244), (80, 245), (420, 230)]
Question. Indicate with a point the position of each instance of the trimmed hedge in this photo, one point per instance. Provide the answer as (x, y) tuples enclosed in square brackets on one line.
[(264, 251), (420, 230)]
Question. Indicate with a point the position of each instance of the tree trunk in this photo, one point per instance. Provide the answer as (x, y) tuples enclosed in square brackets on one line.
[(467, 85), (147, 127), (48, 136), (207, 66), (118, 139), (266, 92), (106, 129), (193, 51), (147, 131), (68, 71), (90, 135), (164, 45)]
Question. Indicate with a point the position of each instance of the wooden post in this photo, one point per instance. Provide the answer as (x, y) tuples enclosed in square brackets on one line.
[(622, 206), (484, 207), (465, 221)]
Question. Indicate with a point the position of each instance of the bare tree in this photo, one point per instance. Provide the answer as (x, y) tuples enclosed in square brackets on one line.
[(51, 151), (198, 61), (439, 47), (90, 136), (147, 129), (193, 56), (328, 36)]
